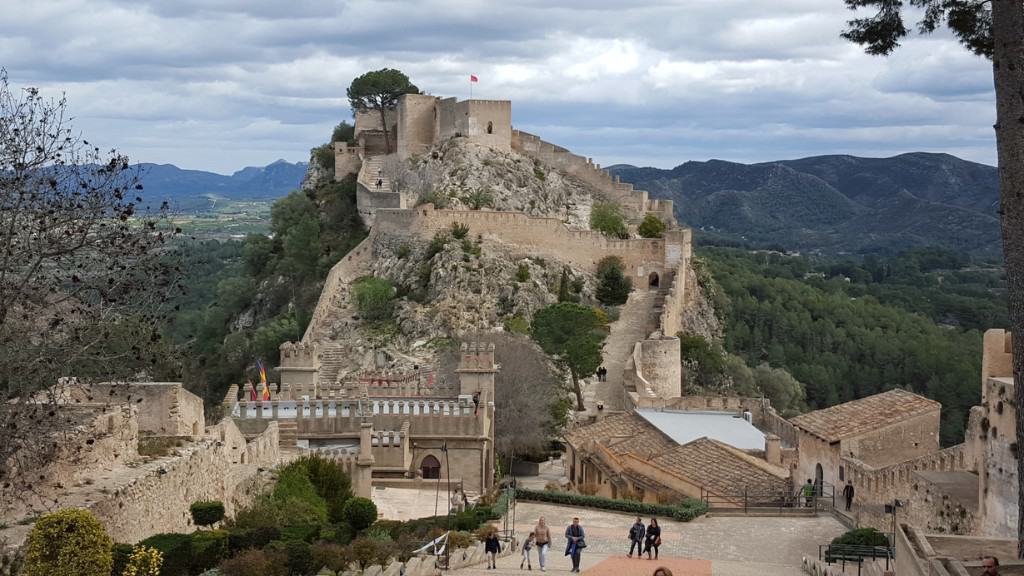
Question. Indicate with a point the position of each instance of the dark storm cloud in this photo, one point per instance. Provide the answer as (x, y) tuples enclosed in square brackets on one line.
[(218, 84)]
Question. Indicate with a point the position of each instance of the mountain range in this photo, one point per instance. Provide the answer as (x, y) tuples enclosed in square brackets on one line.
[(836, 203), (196, 190)]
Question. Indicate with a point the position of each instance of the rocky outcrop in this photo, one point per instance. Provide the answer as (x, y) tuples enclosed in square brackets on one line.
[(513, 182)]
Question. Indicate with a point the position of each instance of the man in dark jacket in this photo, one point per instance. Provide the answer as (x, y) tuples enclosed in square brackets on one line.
[(575, 543), (636, 537), (848, 494)]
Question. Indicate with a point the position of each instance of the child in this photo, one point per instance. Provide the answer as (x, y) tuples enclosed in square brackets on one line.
[(492, 546), (527, 546)]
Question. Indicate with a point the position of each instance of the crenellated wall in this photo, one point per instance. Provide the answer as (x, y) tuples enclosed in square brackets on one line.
[(342, 274), (634, 202), (545, 237)]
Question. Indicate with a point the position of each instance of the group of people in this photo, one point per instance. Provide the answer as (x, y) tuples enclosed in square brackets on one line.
[(602, 374), (643, 539)]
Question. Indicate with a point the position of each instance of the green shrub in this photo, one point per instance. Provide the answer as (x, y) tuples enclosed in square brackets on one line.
[(374, 297), (324, 156), (305, 532), (459, 230), (437, 244), (539, 173), (144, 561), (359, 512), (685, 512), (209, 547), (68, 543), (334, 557), (367, 552), (606, 217), (613, 286), (330, 479), (177, 551), (120, 554), (479, 198), (252, 562), (207, 513), (300, 557), (522, 272), (651, 227), (862, 537), (517, 325), (403, 251)]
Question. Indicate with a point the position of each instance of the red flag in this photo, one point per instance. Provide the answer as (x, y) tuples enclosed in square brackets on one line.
[(473, 78)]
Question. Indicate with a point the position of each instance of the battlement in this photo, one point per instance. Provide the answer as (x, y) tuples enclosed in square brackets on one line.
[(634, 202), (477, 357), (298, 355)]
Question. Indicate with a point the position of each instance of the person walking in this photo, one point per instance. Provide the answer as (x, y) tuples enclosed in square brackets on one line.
[(653, 539), (848, 494), (527, 546), (542, 538), (492, 547), (808, 490), (575, 543), (636, 538)]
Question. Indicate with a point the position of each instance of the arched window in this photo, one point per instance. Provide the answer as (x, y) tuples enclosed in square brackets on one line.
[(431, 468), (490, 127), (653, 280)]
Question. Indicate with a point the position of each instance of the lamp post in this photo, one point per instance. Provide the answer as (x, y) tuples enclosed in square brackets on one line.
[(891, 509)]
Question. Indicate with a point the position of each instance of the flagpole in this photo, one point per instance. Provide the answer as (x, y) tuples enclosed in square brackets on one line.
[(471, 87)]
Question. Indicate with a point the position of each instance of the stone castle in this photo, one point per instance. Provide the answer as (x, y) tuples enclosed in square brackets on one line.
[(641, 436)]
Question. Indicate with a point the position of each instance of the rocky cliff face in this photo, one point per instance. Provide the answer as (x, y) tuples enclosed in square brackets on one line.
[(469, 176)]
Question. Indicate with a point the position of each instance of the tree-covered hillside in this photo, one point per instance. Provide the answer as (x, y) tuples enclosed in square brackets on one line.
[(849, 329), (836, 204)]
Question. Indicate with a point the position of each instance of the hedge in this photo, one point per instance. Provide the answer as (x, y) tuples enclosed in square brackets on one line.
[(689, 510), (177, 551), (207, 512)]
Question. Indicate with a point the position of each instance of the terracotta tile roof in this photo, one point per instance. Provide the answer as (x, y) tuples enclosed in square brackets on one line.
[(621, 434), (720, 469), (860, 416)]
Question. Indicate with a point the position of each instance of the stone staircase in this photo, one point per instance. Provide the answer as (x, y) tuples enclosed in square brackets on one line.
[(638, 317), (332, 359), (371, 172), (288, 434)]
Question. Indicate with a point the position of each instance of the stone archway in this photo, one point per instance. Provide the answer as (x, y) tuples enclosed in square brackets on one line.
[(430, 467), (653, 280), (490, 127)]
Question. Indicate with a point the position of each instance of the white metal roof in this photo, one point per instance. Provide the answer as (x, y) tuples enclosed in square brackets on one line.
[(684, 427)]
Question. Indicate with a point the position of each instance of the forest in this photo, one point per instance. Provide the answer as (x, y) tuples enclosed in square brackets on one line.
[(854, 327)]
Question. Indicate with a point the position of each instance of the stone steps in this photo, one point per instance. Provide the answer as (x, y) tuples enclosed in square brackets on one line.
[(288, 434)]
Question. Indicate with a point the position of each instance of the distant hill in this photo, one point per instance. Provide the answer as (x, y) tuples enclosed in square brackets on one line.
[(836, 203), (195, 190)]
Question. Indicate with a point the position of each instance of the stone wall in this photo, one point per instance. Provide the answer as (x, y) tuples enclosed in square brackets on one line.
[(992, 427), (544, 237), (661, 368), (417, 117), (911, 438), (165, 409), (157, 499), (635, 204), (488, 122), (342, 274), (347, 160)]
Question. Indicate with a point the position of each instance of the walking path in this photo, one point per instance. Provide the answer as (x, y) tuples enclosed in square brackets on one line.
[(734, 546), (636, 321)]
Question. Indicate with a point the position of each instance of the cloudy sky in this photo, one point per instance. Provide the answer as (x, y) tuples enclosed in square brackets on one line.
[(221, 84)]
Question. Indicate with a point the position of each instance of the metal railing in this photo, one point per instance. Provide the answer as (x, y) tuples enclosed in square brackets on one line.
[(752, 498), (843, 553)]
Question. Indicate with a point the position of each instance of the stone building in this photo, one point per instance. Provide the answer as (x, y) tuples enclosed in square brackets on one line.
[(878, 430), (395, 430), (657, 454)]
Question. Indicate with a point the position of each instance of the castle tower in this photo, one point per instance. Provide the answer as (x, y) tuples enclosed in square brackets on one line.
[(364, 464), (299, 370), (476, 376)]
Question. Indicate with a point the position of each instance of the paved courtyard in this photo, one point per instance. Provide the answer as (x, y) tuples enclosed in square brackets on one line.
[(734, 546)]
